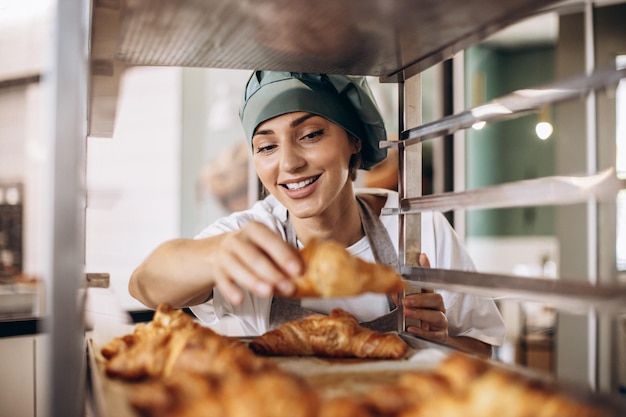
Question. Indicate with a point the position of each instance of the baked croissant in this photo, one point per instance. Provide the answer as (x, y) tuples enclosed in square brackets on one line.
[(331, 271), (272, 393), (174, 342), (338, 335), (469, 387)]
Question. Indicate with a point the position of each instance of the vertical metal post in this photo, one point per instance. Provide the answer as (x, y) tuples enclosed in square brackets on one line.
[(410, 180), (410, 184), (458, 69), (592, 205), (67, 88)]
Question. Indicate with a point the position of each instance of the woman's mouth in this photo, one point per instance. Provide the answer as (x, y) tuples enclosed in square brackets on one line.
[(294, 186)]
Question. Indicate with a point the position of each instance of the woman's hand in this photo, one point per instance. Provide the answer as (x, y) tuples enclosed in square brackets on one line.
[(184, 272), (427, 307), (256, 258)]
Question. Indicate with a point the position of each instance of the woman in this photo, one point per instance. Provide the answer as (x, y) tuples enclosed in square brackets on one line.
[(309, 133)]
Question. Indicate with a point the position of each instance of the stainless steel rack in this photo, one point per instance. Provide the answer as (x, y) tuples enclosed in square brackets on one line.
[(587, 295), (567, 295), (554, 190), (515, 104)]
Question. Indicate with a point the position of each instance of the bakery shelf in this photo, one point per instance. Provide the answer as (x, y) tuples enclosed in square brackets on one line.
[(515, 104), (565, 294), (554, 190), (366, 37)]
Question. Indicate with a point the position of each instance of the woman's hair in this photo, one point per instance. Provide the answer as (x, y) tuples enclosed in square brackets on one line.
[(355, 159)]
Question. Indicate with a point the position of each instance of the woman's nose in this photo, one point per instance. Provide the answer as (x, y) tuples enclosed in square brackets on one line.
[(291, 158)]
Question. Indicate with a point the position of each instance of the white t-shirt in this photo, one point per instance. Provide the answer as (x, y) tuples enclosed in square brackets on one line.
[(467, 315)]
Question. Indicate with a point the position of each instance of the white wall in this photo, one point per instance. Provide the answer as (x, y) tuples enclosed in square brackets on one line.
[(133, 179), (25, 33), (513, 255)]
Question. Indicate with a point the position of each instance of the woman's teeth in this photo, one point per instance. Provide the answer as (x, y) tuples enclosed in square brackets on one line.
[(301, 184)]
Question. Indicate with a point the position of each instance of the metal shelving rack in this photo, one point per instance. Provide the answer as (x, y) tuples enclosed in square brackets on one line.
[(592, 298), (394, 40), (556, 190)]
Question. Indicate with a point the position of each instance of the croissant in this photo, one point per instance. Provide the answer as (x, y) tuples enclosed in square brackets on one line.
[(173, 342), (469, 387), (337, 335), (344, 406), (331, 271), (188, 394)]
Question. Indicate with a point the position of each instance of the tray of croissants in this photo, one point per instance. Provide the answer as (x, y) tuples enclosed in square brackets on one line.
[(317, 366)]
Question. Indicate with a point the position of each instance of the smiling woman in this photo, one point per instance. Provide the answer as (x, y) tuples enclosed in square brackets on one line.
[(309, 133), (301, 155)]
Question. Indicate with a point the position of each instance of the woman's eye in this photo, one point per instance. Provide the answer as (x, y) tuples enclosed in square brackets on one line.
[(313, 135), (265, 149)]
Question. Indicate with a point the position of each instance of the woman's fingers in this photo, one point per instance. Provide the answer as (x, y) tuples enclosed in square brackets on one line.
[(424, 300), (430, 310), (257, 259), (423, 261), (228, 288), (283, 255), (437, 336), (436, 318)]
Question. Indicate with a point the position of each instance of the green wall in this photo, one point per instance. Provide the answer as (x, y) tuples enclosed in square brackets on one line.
[(509, 150)]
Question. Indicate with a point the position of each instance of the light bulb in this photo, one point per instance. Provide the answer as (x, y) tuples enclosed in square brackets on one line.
[(543, 130)]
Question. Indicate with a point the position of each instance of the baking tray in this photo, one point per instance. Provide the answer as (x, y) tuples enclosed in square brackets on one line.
[(330, 377), (334, 377)]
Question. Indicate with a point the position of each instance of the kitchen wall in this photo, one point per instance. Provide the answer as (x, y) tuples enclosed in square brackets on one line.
[(508, 150), (133, 179), (25, 36)]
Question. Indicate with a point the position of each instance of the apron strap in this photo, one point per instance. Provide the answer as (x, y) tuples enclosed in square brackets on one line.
[(283, 310)]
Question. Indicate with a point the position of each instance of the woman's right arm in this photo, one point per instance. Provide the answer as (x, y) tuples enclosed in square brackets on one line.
[(183, 272)]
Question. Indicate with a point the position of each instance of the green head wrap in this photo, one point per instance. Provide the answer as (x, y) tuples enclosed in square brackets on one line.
[(344, 100)]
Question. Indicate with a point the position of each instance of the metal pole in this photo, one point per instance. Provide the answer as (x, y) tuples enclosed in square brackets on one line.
[(458, 69), (410, 181), (592, 205), (67, 83)]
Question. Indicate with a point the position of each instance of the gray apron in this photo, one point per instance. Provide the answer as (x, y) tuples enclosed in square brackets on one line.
[(284, 309)]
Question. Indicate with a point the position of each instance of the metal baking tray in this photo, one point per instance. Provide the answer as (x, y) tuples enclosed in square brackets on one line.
[(331, 377)]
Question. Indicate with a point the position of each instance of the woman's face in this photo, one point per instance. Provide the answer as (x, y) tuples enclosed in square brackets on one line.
[(304, 161)]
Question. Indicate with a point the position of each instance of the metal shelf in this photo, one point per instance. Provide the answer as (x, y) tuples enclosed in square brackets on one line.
[(366, 37), (515, 104), (568, 295), (393, 39), (555, 190)]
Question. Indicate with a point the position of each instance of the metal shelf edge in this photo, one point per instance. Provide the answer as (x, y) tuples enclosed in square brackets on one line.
[(515, 104), (555, 190), (569, 295)]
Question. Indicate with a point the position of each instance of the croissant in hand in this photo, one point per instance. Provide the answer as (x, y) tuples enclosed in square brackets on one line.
[(338, 335), (331, 271)]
